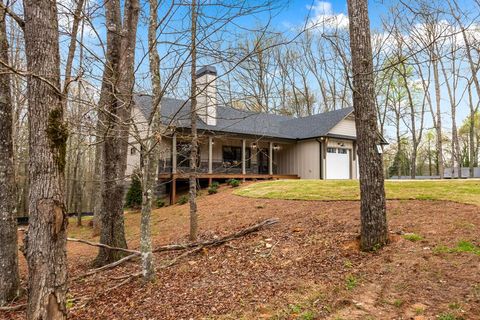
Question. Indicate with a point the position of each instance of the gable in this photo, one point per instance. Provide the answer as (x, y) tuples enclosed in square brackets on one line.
[(346, 127)]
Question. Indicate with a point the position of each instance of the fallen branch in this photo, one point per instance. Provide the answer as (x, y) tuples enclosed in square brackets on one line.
[(176, 259), (106, 267), (219, 241), (101, 245), (175, 247), (13, 308)]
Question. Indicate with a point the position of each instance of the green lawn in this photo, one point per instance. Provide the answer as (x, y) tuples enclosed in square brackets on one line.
[(465, 191)]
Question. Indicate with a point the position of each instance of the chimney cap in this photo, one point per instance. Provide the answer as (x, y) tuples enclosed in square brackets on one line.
[(206, 70)]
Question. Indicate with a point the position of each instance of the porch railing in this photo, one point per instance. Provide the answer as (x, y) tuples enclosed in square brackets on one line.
[(218, 166)]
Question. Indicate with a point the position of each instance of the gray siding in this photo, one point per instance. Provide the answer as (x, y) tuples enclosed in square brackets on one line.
[(302, 159)]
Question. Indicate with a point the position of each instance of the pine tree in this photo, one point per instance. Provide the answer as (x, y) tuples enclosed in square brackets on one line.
[(134, 194)]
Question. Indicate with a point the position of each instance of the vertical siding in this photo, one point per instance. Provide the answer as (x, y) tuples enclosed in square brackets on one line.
[(308, 159), (285, 159), (301, 158)]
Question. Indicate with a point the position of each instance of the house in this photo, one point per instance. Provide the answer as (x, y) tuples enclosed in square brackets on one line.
[(247, 145)]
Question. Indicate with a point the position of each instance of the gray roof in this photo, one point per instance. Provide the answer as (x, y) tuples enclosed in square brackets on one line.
[(176, 113)]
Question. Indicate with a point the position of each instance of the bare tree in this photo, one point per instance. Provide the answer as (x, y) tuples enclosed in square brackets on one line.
[(374, 229), (193, 116), (150, 149), (115, 106), (9, 277), (474, 67), (46, 238)]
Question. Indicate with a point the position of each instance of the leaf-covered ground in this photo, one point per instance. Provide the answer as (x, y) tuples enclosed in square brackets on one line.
[(307, 266)]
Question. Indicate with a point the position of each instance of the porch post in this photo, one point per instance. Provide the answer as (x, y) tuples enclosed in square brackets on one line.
[(244, 170), (270, 158), (174, 153), (210, 153)]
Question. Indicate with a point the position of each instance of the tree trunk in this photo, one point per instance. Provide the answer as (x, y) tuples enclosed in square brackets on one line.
[(76, 189), (438, 122), (471, 134), (374, 229), (399, 145), (430, 171), (150, 153), (46, 238), (9, 278), (193, 115), (116, 106), (97, 178), (413, 127)]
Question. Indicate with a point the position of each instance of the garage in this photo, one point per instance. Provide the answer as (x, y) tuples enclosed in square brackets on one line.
[(338, 163)]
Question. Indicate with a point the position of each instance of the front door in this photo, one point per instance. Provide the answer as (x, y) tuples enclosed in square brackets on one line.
[(262, 159)]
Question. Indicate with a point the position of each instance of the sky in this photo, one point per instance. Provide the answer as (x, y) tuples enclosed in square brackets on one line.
[(298, 10)]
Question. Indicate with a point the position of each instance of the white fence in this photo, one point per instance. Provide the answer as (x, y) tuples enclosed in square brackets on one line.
[(453, 172)]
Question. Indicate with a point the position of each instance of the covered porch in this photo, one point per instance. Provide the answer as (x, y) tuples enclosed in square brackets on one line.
[(223, 157)]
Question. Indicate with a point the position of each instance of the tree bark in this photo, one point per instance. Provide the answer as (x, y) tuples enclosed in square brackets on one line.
[(116, 105), (46, 238), (9, 277), (374, 229), (193, 115)]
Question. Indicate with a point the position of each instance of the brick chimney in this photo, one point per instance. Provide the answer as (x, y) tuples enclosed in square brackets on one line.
[(207, 98)]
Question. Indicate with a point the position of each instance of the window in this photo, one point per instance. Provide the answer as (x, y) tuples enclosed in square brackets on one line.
[(233, 156), (133, 151), (342, 151), (331, 150)]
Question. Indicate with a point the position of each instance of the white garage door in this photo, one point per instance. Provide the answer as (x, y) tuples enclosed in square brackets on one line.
[(338, 163)]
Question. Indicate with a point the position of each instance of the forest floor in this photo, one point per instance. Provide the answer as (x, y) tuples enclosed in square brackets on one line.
[(307, 266)]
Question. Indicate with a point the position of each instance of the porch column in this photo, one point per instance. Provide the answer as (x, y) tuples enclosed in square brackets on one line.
[(270, 158), (210, 153), (244, 168), (174, 153)]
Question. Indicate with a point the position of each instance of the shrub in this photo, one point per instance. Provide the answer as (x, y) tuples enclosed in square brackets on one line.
[(182, 200), (134, 193), (234, 183), (215, 184), (212, 190), (160, 203)]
